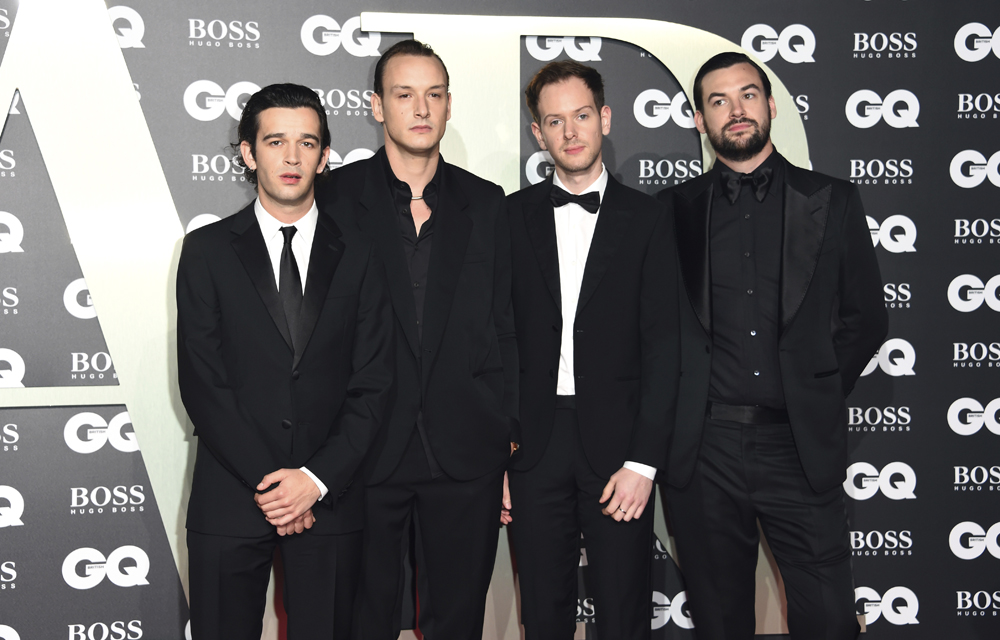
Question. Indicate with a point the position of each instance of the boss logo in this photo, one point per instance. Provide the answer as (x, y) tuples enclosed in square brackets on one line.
[(9, 301), (974, 41), (966, 293), (975, 478), (969, 169), (547, 49), (7, 161), (891, 45), (977, 231), (895, 357), (969, 355), (653, 109), (8, 574), (131, 32), (126, 566), (353, 102), (11, 369), (119, 499), (91, 367), (11, 507), (585, 610), (676, 610), (335, 161), (796, 43), (98, 432), (331, 36), (896, 234), (972, 604), (668, 171), (11, 233), (9, 437), (538, 167), (899, 109), (802, 105), (4, 21), (977, 107), (871, 419), (216, 100), (897, 295), (968, 540), (118, 630), (239, 34), (890, 171), (966, 416), (888, 606), (216, 169), (896, 481), (882, 543)]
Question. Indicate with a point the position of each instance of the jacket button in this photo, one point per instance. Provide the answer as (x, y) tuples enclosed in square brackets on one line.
[(552, 373), (295, 375), (286, 424)]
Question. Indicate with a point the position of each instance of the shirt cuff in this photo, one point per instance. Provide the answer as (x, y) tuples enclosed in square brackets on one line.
[(322, 487), (641, 469)]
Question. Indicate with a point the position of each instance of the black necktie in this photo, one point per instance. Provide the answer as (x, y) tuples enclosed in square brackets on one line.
[(289, 283), (590, 201), (759, 180)]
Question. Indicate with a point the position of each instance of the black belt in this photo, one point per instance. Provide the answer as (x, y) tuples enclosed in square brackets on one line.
[(565, 402), (746, 414)]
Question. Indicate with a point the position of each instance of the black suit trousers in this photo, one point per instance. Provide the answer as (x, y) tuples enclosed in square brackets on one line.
[(457, 525), (746, 473), (552, 503), (229, 578)]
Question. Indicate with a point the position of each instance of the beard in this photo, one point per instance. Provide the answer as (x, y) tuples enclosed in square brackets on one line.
[(743, 148)]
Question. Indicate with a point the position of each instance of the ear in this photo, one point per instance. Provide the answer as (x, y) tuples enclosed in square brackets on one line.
[(377, 107), (322, 164), (699, 122), (247, 154), (774, 108), (605, 119), (535, 129), (448, 114)]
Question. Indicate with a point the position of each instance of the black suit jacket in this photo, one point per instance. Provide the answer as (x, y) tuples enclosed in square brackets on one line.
[(625, 339), (256, 404), (832, 315), (462, 375)]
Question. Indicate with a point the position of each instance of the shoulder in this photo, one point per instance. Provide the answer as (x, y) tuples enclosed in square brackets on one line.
[(475, 187), (686, 190), (211, 236), (806, 180), (628, 198), (348, 176), (534, 193)]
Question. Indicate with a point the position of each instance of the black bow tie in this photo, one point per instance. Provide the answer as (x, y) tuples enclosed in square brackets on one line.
[(759, 180), (591, 201)]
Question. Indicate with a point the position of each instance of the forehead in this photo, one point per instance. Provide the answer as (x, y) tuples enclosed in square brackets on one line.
[(566, 95), (288, 121), (413, 70), (730, 79)]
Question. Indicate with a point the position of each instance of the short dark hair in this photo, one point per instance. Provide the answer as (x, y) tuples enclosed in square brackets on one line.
[(560, 71), (724, 61), (282, 96), (407, 48)]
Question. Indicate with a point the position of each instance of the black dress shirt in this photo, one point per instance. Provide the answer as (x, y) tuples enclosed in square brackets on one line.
[(746, 273)]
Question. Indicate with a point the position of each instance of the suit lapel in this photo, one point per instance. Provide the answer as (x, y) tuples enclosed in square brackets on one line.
[(327, 250), (805, 212), (379, 222), (541, 228), (692, 219), (451, 238), (612, 222), (249, 246)]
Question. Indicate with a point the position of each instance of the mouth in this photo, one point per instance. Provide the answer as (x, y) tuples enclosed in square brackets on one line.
[(290, 178), (574, 149), (740, 126), (421, 128)]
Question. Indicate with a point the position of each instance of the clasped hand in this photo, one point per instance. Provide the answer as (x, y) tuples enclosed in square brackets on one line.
[(288, 506)]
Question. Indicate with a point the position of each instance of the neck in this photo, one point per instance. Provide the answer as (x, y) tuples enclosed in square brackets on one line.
[(286, 212), (415, 170), (747, 166), (577, 181)]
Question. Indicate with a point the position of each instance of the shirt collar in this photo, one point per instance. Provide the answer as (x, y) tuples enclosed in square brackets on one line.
[(775, 160), (598, 185), (271, 226)]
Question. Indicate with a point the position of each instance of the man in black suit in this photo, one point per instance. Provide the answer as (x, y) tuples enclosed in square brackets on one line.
[(783, 310), (441, 233), (595, 307), (285, 362)]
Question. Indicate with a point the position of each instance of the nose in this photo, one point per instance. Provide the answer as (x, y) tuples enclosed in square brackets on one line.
[(569, 129), (737, 110), (293, 155), (421, 107)]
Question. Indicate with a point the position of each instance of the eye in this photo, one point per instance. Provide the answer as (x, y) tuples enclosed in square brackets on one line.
[(582, 116), (554, 122)]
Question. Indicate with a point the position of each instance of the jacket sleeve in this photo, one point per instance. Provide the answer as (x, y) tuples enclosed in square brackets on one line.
[(503, 318), (221, 422)]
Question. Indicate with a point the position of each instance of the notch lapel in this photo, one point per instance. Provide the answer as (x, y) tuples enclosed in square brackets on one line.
[(612, 222), (805, 212), (327, 250), (249, 246), (540, 225), (451, 238), (692, 219)]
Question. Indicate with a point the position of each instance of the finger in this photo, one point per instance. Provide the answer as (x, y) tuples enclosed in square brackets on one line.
[(506, 492), (309, 521), (271, 478), (639, 510), (609, 490)]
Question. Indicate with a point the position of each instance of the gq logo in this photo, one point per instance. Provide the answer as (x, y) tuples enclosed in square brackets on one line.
[(967, 416), (588, 51), (217, 99), (984, 41), (11, 378), (968, 540), (896, 357), (896, 234), (8, 633), (875, 109), (334, 160), (71, 300), (665, 610), (873, 481), (664, 109), (10, 240), (10, 515), (97, 567), (538, 167), (796, 43), (129, 37), (99, 432), (979, 169), (332, 36), (966, 293), (200, 221), (875, 606)]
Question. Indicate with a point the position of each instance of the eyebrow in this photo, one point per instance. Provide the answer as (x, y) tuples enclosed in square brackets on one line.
[(581, 109), (409, 88), (716, 94), (279, 135)]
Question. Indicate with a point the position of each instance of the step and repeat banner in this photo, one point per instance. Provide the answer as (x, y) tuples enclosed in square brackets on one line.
[(901, 97)]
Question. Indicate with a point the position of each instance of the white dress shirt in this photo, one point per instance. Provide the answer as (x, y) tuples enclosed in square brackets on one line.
[(274, 240), (574, 234)]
